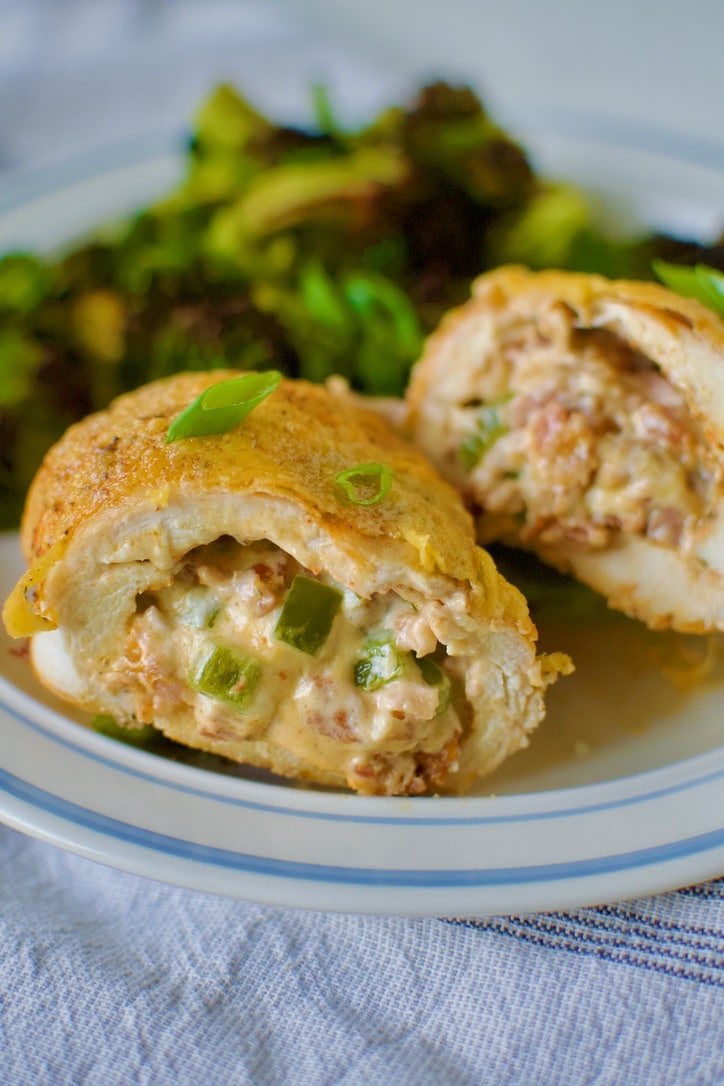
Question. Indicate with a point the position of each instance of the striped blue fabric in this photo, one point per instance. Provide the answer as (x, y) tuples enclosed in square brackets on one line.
[(680, 935)]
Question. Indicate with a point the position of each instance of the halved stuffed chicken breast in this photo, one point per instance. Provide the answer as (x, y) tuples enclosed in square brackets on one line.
[(256, 594), (583, 419)]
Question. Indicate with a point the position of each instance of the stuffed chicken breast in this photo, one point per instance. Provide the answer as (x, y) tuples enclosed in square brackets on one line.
[(583, 419), (301, 593)]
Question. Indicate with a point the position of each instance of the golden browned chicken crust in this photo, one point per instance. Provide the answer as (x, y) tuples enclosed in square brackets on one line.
[(144, 553), (583, 419)]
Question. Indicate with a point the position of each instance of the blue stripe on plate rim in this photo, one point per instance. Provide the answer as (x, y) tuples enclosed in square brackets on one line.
[(640, 794), (388, 877)]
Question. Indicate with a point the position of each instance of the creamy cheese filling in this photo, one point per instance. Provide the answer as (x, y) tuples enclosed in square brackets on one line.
[(587, 440), (376, 700)]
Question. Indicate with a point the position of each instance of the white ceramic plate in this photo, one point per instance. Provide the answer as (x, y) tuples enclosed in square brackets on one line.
[(620, 794)]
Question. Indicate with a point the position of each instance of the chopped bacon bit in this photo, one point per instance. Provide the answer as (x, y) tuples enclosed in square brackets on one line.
[(339, 726), (434, 769), (264, 573), (665, 525)]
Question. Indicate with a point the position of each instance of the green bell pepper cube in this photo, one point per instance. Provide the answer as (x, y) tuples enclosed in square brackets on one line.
[(307, 615), (378, 663), (227, 676)]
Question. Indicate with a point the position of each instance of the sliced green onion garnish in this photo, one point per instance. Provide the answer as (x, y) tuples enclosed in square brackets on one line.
[(378, 663), (324, 114), (227, 676), (223, 406), (701, 282), (434, 675), (366, 484), (322, 299), (142, 736), (308, 614), (488, 428), (373, 296)]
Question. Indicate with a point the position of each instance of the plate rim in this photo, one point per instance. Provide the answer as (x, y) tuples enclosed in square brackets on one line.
[(67, 732), (478, 891), (702, 860), (402, 891)]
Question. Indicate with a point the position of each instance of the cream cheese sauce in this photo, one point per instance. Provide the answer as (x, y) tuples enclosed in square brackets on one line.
[(310, 705), (595, 441)]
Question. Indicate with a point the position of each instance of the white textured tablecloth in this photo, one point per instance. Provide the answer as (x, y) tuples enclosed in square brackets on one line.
[(110, 978)]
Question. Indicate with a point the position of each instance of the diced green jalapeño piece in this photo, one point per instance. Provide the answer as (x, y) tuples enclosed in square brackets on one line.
[(434, 675), (378, 663), (308, 614), (227, 676)]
